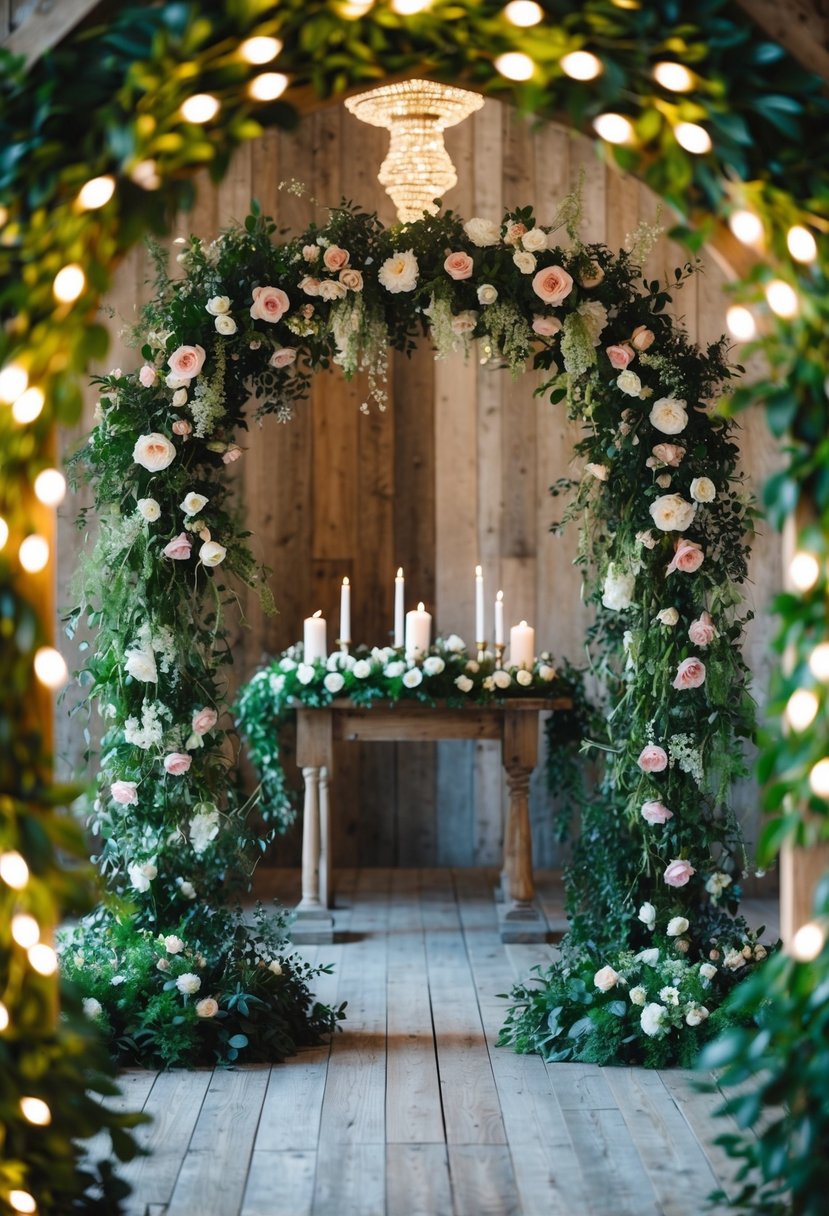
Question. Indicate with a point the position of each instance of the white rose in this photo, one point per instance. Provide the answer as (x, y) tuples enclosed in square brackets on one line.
[(652, 1020), (599, 471), (154, 452), (179, 398), (487, 294), (333, 289), (395, 669), (717, 882), (413, 677), (668, 415), (535, 240), (629, 383), (606, 978), (708, 971), (464, 684), (188, 983), (305, 673), (649, 957), (672, 513), (647, 539), (362, 669), (647, 915), (546, 672), (668, 616), (225, 326), (489, 684), (703, 489), (734, 960), (669, 995), (334, 681), (217, 306), (638, 995), (173, 381), (204, 827), (526, 262), (148, 509), (501, 679), (141, 665), (617, 594), (275, 967), (212, 553), (482, 232), (149, 869), (677, 926), (91, 1007), (524, 677), (188, 891), (193, 503), (138, 879), (173, 944), (472, 665), (696, 1015), (455, 644), (434, 665), (399, 272)]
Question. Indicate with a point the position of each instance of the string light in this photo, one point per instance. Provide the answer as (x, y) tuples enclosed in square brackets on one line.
[(352, 9), (260, 49), (50, 667), (14, 380), (802, 245), (581, 65), (523, 13), (693, 138), (29, 405), (819, 662), (819, 778), (782, 299), (145, 174), (740, 322), (96, 193), (407, 8), (25, 929), (801, 708), (807, 943), (804, 571), (36, 1111), (50, 487), (34, 553), (43, 959), (69, 283), (746, 226), (200, 108), (515, 65), (22, 1202), (614, 128), (268, 86), (674, 77), (4, 1016), (13, 870), (4, 532)]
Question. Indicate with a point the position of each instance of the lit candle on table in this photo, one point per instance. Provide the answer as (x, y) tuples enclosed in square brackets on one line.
[(521, 645), (345, 612), (399, 590), (499, 619), (316, 642), (418, 633), (480, 635)]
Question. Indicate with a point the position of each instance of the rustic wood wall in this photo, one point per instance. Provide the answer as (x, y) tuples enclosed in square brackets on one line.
[(455, 472)]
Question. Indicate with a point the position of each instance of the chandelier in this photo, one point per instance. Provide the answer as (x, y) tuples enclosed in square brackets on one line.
[(418, 168)]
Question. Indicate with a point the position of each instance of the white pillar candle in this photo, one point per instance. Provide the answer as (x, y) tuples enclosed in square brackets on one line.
[(345, 611), (316, 643), (399, 591), (418, 633), (480, 635), (521, 645), (499, 619)]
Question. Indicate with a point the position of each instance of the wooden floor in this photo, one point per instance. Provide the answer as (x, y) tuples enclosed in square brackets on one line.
[(412, 1111)]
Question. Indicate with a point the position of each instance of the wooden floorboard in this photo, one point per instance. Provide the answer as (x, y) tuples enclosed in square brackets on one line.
[(412, 1110)]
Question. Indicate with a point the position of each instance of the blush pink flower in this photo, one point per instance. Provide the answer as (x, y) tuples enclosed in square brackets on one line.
[(269, 304), (642, 337), (678, 873), (182, 427), (670, 454), (553, 284), (687, 557), (335, 258), (283, 357), (231, 454), (547, 327), (204, 720), (187, 361), (148, 375), (178, 548), (656, 812), (620, 356), (702, 631), (690, 674), (177, 763), (309, 285), (514, 232), (124, 792), (653, 759), (459, 266)]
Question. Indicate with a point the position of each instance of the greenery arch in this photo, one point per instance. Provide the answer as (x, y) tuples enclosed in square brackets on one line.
[(128, 81)]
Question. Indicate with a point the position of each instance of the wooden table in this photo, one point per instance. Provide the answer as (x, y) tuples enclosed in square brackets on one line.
[(513, 721)]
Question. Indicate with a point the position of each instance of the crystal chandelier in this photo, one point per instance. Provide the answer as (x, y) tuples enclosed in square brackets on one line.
[(418, 168)]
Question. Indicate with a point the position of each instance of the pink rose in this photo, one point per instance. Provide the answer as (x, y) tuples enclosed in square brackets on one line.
[(269, 304), (231, 454), (687, 558), (335, 258), (125, 792), (282, 357), (678, 873), (690, 673), (553, 284), (148, 375), (656, 812), (182, 427), (642, 337), (310, 285), (178, 548), (459, 266), (177, 763), (653, 759), (310, 252), (668, 453), (187, 361), (514, 233), (547, 327), (620, 356), (204, 720), (702, 631)]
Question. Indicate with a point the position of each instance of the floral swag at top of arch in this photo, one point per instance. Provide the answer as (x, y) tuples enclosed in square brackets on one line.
[(663, 541)]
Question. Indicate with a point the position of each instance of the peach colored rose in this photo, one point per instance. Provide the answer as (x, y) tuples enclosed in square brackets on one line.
[(553, 284), (656, 812), (459, 266), (514, 232), (702, 631), (269, 304), (187, 361), (642, 337), (687, 558), (678, 873), (547, 327), (351, 279), (670, 454), (204, 720), (309, 285), (178, 548), (148, 375), (620, 356), (154, 452), (182, 427), (310, 252), (177, 763), (283, 357), (653, 759), (231, 454), (335, 258), (606, 978), (124, 792), (690, 674)]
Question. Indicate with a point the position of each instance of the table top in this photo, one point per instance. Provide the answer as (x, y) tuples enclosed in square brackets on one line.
[(500, 705)]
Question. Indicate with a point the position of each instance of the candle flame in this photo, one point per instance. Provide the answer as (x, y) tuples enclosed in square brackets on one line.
[(420, 607), (499, 596), (399, 571), (479, 571), (522, 625), (345, 582), (318, 612)]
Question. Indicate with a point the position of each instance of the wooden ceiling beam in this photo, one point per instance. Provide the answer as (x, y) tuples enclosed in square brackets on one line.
[(801, 26)]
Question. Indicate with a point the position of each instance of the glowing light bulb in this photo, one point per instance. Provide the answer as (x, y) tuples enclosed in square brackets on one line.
[(693, 138), (13, 870), (43, 959), (515, 65), (13, 381), (50, 487), (29, 405), (740, 323), (260, 49), (145, 174), (581, 65), (36, 1111), (523, 13), (407, 8), (804, 571), (69, 283), (50, 667), (22, 1202), (96, 193), (673, 76), (782, 298), (819, 662), (25, 929), (801, 708), (807, 943), (819, 778), (614, 128), (746, 226), (352, 9), (4, 532), (200, 108), (34, 553), (4, 1016), (268, 86), (802, 245)]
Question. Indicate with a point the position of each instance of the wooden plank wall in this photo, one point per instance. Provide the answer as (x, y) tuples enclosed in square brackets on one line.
[(455, 472)]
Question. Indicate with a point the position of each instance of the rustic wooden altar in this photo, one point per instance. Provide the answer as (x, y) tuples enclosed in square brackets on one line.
[(513, 722)]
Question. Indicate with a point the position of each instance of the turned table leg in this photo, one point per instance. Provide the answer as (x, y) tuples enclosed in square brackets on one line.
[(310, 901), (518, 865), (326, 890), (519, 917), (313, 921)]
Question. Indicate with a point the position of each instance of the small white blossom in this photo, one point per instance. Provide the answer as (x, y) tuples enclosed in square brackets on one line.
[(173, 944), (638, 995), (362, 669), (188, 983), (464, 684), (91, 1007)]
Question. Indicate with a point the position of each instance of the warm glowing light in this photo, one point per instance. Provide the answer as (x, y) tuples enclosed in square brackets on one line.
[(69, 283), (4, 532), (674, 76), (746, 226), (804, 571), (352, 9), (801, 708), (13, 382), (50, 487), (43, 959), (145, 174), (407, 8), (807, 943), (692, 137), (29, 405), (260, 49), (268, 86), (34, 553), (13, 870), (22, 1201), (96, 193), (200, 108), (25, 929), (515, 65), (740, 323), (614, 128), (4, 1016), (819, 778), (523, 13), (582, 65), (802, 245), (50, 667), (819, 661), (782, 298), (36, 1111)]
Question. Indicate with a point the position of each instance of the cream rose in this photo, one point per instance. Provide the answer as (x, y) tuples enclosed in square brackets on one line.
[(225, 326), (309, 285), (553, 285), (668, 616), (535, 240), (154, 452), (149, 509), (642, 337), (207, 1008), (501, 679), (212, 553), (629, 383), (334, 681), (487, 294), (218, 306), (676, 926), (669, 416), (187, 361), (332, 289), (269, 304), (524, 678), (617, 594), (464, 684), (413, 677), (459, 266), (524, 260), (351, 279), (671, 513), (600, 471), (482, 232), (179, 398), (399, 272), (606, 978), (193, 503), (703, 489)]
